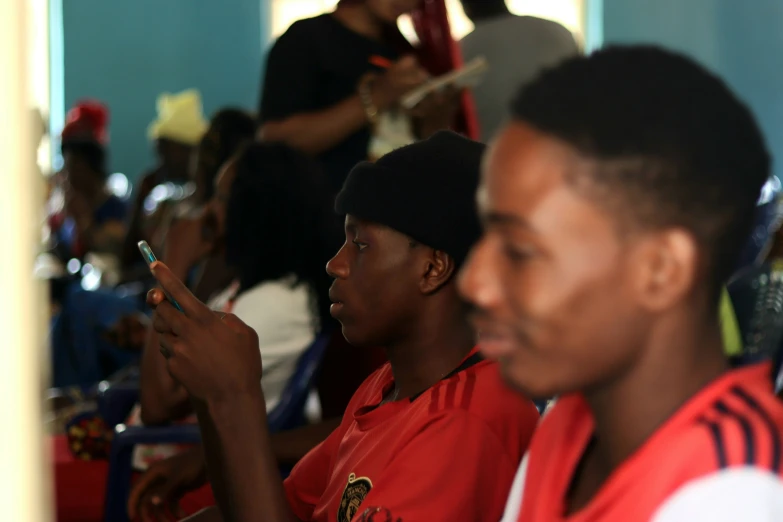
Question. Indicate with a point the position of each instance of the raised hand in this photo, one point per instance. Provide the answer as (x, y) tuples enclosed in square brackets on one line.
[(214, 356)]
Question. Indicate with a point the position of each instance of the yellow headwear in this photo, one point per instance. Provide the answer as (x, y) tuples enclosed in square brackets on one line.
[(180, 118)]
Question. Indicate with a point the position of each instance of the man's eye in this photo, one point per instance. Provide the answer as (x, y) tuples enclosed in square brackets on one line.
[(361, 246)]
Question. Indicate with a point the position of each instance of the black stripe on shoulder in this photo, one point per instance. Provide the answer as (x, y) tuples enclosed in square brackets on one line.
[(717, 442), (473, 360), (747, 431), (774, 432)]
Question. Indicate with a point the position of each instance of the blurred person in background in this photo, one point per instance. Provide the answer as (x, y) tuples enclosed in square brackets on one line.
[(229, 129), (328, 78), (265, 219), (517, 49), (99, 332), (176, 132), (268, 210), (91, 219), (226, 131)]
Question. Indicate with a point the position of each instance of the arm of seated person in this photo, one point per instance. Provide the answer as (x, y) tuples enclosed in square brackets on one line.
[(242, 462), (162, 399), (165, 482)]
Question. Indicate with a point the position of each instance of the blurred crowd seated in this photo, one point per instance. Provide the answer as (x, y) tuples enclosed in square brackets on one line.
[(239, 205)]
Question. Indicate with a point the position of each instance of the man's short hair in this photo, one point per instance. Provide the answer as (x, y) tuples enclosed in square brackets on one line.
[(673, 146)]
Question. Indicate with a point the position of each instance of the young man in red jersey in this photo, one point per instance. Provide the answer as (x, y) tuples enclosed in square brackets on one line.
[(434, 435), (614, 207)]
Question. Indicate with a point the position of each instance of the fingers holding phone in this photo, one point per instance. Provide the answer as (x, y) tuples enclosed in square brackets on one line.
[(214, 356)]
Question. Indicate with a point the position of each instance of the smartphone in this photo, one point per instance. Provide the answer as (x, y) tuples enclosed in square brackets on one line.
[(149, 257)]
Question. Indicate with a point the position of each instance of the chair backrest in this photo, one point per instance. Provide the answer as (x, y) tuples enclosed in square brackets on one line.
[(289, 411), (757, 296), (767, 219), (117, 395)]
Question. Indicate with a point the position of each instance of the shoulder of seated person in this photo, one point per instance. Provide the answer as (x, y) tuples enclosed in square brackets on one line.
[(367, 390), (741, 493), (479, 390)]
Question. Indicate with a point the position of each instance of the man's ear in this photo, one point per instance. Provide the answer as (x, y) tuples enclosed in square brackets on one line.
[(438, 271), (666, 270)]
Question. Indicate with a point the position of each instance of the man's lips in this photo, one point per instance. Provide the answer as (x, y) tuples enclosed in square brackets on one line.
[(494, 340), (335, 309), (495, 346), (337, 304)]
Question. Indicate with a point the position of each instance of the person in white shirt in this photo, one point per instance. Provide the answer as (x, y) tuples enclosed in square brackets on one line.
[(517, 49), (268, 219)]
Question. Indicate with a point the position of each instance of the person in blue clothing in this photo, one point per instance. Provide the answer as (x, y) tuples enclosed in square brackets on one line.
[(99, 332), (92, 219)]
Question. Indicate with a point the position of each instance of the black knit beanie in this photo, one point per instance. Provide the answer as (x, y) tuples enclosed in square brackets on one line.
[(426, 190)]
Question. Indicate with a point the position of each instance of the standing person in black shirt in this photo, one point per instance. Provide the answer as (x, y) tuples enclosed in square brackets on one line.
[(328, 77)]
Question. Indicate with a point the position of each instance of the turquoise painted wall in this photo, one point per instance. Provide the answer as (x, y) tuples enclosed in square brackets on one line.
[(742, 40), (126, 53)]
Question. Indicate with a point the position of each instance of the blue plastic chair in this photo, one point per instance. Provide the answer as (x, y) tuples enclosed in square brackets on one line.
[(766, 221), (289, 413)]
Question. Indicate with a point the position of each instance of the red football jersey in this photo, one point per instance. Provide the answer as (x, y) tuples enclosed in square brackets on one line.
[(717, 458), (449, 454)]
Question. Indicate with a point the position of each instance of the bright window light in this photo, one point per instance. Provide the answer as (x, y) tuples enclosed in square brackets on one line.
[(569, 13)]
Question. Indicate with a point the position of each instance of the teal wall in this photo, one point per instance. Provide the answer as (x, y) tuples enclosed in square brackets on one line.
[(741, 40), (126, 53)]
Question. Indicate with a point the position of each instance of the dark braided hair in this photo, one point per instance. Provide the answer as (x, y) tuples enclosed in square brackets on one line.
[(277, 221), (228, 130)]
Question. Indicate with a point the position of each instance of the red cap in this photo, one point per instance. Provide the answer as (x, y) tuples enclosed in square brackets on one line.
[(87, 121)]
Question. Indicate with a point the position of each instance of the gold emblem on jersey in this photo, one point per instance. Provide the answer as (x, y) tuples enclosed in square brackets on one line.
[(353, 496)]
